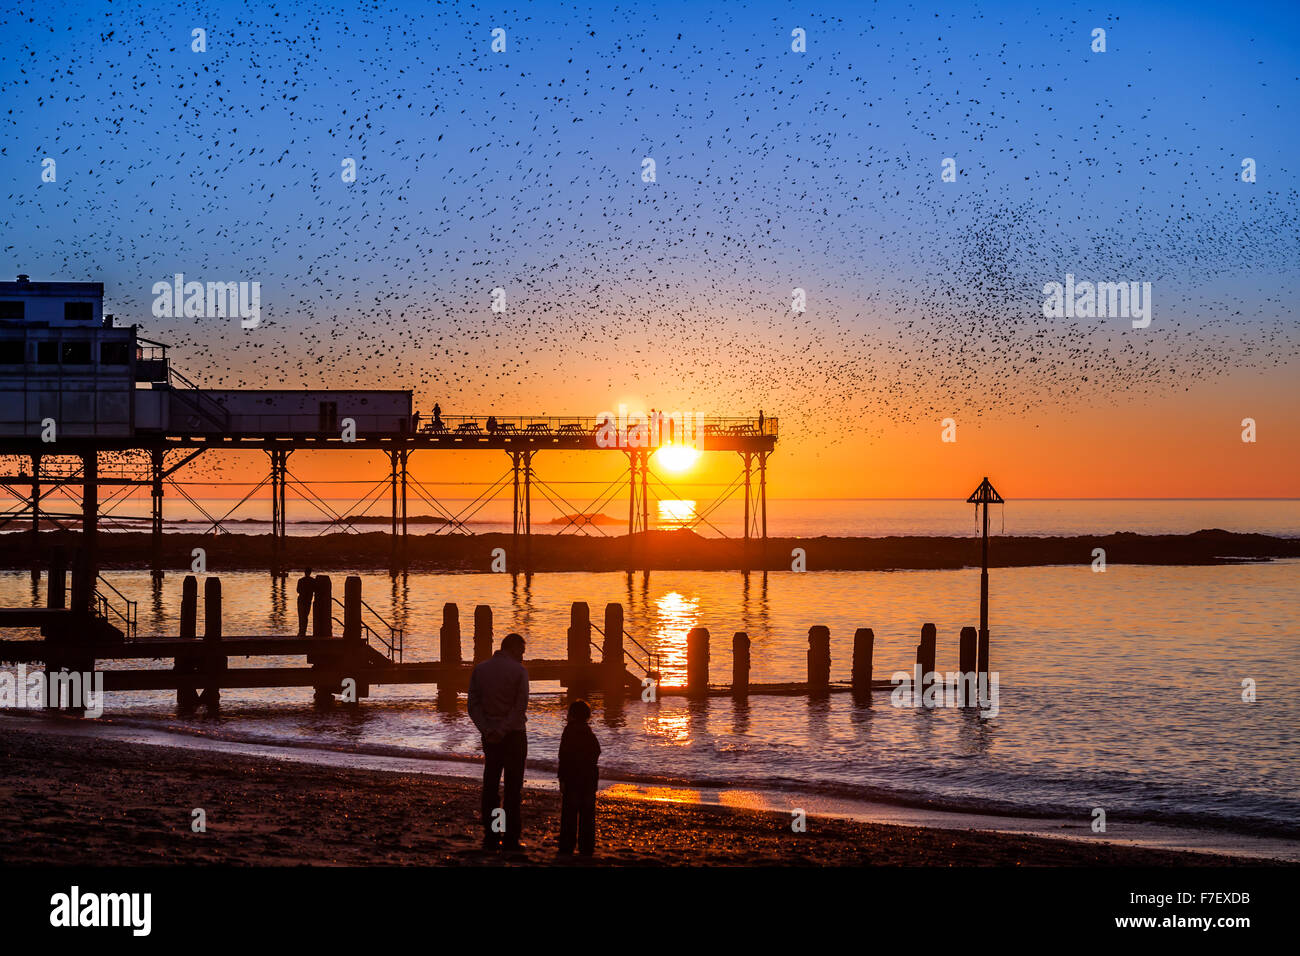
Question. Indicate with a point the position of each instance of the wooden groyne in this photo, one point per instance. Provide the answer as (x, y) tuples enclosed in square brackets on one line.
[(367, 651)]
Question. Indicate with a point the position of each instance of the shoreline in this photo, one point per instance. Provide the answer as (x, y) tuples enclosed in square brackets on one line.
[(286, 785), (657, 550)]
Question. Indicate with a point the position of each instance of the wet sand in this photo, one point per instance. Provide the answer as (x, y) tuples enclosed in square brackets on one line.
[(76, 800)]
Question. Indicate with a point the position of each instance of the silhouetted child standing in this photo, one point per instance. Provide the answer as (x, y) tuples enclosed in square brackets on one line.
[(579, 752)]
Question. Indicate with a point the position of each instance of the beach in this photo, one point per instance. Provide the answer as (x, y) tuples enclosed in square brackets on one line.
[(70, 800)]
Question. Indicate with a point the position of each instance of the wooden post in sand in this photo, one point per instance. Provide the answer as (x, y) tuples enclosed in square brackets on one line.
[(819, 657), (449, 646), (864, 647), (322, 608), (578, 648), (322, 628), (352, 608), (482, 633), (926, 654), (215, 661), (189, 607), (740, 664), (187, 698), (982, 661), (353, 655), (697, 661), (966, 655), (611, 651)]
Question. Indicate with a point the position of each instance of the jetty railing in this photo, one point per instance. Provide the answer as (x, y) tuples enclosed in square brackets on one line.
[(127, 614), (393, 644), (651, 666)]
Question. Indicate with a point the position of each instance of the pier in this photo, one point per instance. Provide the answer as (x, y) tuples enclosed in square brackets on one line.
[(75, 388)]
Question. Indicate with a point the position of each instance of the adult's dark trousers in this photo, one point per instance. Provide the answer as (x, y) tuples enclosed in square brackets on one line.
[(504, 757), (304, 615)]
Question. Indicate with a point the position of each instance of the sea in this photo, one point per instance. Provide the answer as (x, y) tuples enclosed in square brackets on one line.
[(1159, 700)]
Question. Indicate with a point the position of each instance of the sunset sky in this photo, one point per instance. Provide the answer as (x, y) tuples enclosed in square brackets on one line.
[(774, 170)]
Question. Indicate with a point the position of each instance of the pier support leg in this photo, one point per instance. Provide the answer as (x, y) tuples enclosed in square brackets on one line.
[(762, 498), (749, 498), (279, 526), (516, 514), (393, 457), (528, 512), (155, 511), (638, 505), (36, 516), (87, 566), (405, 553)]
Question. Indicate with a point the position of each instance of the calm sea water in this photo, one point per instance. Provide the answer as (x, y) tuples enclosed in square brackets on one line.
[(1119, 690), (789, 516)]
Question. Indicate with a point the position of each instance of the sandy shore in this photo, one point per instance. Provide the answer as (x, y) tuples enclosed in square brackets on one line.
[(74, 800)]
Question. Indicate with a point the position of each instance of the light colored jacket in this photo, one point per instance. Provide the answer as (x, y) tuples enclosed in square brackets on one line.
[(498, 695)]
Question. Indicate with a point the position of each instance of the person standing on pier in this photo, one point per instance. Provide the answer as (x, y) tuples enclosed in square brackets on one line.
[(306, 588), (498, 705)]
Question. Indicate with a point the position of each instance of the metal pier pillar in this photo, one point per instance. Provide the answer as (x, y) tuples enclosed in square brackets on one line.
[(87, 558), (155, 511), (762, 496), (747, 457), (392, 534), (36, 515), (405, 457), (522, 466), (638, 500), (279, 531)]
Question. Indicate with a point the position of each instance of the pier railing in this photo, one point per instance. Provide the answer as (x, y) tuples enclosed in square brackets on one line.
[(525, 426)]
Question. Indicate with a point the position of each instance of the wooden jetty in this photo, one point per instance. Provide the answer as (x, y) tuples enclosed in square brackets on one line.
[(367, 650)]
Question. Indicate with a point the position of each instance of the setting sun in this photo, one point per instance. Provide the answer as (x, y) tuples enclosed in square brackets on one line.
[(677, 458)]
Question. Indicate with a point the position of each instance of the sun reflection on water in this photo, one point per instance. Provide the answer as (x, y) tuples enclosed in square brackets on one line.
[(675, 615), (675, 513)]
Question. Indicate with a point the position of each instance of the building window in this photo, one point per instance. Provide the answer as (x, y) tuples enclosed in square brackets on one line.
[(78, 311), (13, 310), (114, 353), (76, 353), (11, 352), (47, 353)]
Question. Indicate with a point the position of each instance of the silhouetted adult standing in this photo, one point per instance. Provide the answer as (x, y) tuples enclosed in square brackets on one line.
[(306, 588), (498, 705), (760, 421)]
